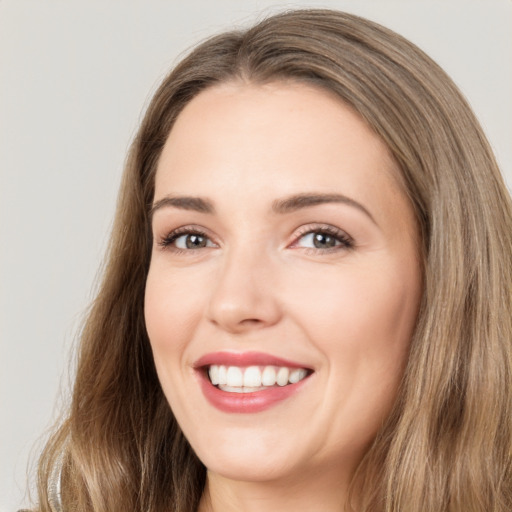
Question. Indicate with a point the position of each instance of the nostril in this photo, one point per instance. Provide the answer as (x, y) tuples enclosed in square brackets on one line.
[(251, 321)]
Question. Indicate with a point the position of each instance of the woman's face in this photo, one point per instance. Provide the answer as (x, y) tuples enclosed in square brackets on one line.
[(285, 263)]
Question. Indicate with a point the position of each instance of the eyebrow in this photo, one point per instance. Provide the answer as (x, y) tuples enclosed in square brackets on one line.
[(299, 201), (281, 206), (197, 204)]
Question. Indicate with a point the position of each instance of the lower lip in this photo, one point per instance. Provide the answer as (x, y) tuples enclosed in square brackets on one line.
[(247, 402)]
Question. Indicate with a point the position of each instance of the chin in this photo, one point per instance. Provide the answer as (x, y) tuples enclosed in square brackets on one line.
[(248, 469), (257, 459)]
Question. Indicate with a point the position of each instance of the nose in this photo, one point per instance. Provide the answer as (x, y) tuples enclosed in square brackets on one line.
[(244, 295)]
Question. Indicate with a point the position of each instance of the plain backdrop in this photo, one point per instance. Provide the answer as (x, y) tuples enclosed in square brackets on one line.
[(75, 77)]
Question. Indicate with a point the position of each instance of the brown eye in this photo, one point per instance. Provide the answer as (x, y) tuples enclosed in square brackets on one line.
[(194, 241), (187, 240), (324, 241)]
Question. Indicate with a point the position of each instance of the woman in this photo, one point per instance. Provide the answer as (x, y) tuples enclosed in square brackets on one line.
[(307, 301)]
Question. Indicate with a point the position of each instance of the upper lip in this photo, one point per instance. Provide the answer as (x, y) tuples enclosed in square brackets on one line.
[(245, 359)]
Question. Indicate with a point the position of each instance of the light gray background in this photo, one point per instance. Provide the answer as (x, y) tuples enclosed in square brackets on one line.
[(74, 78)]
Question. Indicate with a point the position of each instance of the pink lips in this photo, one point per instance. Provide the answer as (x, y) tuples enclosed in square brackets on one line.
[(244, 359), (245, 402)]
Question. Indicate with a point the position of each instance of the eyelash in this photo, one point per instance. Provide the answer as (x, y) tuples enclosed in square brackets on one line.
[(168, 241), (345, 241)]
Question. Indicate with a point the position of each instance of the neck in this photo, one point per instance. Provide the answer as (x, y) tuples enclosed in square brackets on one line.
[(327, 493)]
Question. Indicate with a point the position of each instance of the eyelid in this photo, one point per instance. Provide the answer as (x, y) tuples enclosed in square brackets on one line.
[(347, 242), (166, 241)]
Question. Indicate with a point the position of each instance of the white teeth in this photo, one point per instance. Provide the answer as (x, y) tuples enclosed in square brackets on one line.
[(253, 378), (296, 375), (269, 376), (223, 375), (235, 377), (282, 376), (213, 372)]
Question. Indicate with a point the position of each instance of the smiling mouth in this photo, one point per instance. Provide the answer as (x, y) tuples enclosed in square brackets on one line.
[(250, 379)]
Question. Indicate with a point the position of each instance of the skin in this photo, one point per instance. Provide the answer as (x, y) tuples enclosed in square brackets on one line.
[(260, 284)]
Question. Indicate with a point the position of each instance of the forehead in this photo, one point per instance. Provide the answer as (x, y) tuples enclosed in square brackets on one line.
[(277, 128), (245, 145)]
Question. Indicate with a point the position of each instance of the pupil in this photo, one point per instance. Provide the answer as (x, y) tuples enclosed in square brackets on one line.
[(321, 241), (195, 241)]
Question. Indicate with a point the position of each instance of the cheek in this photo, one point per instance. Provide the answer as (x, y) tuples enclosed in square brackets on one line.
[(361, 318), (170, 311)]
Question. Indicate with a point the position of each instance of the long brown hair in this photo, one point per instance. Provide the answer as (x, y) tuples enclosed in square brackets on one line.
[(447, 444)]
